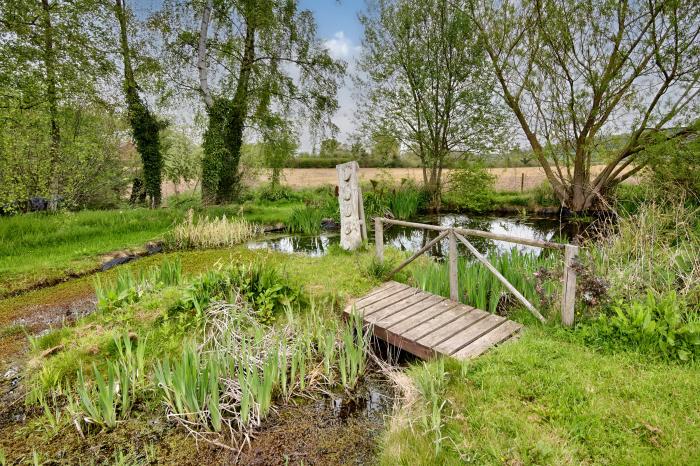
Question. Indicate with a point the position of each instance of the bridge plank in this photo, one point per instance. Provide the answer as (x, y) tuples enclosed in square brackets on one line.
[(411, 311), (469, 334), (426, 314), (388, 301), (362, 303), (428, 325), (480, 345), (456, 328), (400, 307)]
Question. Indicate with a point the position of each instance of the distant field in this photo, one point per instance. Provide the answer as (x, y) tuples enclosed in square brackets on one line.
[(507, 179)]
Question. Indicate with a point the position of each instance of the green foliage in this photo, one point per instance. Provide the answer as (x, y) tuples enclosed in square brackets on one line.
[(470, 188), (99, 403), (190, 387), (386, 198), (431, 381), (128, 288), (306, 220), (352, 352), (536, 277), (543, 195), (182, 158), (657, 325), (259, 283), (222, 152)]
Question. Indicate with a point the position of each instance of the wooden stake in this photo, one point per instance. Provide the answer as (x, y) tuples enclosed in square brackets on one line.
[(454, 283), (379, 238), (568, 300)]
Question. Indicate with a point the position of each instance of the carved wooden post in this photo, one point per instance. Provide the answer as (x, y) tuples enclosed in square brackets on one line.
[(350, 201), (379, 238), (454, 283), (568, 299)]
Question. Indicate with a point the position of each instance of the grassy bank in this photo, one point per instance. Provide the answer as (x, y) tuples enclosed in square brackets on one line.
[(548, 399), (46, 247)]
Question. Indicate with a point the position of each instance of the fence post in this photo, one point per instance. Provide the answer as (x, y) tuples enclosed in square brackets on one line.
[(568, 299), (379, 238), (454, 283)]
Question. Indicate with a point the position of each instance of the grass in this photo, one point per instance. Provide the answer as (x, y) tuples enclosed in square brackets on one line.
[(49, 247), (548, 399), (206, 233)]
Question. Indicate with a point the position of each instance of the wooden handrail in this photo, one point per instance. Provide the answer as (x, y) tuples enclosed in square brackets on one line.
[(570, 252), (483, 234)]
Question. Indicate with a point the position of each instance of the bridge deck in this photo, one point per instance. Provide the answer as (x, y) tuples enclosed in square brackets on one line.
[(427, 325)]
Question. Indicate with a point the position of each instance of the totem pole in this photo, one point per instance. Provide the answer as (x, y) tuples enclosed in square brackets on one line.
[(353, 229)]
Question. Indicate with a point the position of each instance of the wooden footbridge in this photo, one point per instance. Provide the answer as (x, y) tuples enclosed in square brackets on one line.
[(428, 325)]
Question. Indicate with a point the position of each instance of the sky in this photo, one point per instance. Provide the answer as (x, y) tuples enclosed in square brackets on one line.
[(341, 32)]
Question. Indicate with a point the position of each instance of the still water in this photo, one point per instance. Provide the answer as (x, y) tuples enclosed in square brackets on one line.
[(411, 239)]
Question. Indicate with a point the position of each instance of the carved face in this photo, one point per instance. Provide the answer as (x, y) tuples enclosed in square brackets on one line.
[(347, 173)]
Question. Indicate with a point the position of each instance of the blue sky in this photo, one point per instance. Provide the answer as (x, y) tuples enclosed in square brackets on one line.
[(338, 27)]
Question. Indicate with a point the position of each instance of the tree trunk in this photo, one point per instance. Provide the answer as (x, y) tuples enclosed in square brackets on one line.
[(144, 125), (51, 97), (223, 138)]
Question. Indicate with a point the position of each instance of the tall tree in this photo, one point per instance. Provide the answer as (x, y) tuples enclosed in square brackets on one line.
[(144, 125), (578, 74), (53, 67), (428, 82), (256, 62)]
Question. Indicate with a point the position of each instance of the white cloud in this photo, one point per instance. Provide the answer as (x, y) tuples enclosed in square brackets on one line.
[(341, 47)]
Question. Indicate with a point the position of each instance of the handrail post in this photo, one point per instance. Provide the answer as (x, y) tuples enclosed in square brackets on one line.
[(454, 283), (379, 238), (568, 298)]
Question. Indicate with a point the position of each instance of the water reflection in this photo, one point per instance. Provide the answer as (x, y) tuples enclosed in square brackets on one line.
[(309, 245), (411, 239)]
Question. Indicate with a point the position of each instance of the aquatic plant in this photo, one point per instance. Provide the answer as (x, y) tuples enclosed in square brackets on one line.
[(480, 288), (206, 233), (305, 220)]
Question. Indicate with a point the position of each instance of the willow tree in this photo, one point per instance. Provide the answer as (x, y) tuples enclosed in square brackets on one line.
[(145, 126), (594, 80), (428, 82), (256, 61)]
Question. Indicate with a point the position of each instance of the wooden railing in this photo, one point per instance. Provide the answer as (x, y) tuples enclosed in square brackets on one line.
[(455, 234)]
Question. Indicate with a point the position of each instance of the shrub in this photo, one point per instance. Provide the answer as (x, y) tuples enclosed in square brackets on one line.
[(659, 325), (209, 233), (185, 201), (470, 188)]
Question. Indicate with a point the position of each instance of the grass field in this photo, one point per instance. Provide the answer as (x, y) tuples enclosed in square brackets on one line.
[(507, 179), (42, 248)]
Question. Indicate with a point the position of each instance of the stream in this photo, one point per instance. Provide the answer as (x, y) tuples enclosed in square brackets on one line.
[(412, 239)]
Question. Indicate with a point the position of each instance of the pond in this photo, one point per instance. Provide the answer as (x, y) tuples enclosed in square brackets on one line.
[(412, 239)]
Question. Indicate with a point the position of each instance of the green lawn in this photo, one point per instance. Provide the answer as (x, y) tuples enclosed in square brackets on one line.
[(547, 399), (45, 247)]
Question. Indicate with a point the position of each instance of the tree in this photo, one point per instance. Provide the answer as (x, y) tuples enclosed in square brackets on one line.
[(280, 145), (385, 147), (256, 62), (144, 125), (53, 68), (182, 158), (329, 147), (429, 82), (577, 73)]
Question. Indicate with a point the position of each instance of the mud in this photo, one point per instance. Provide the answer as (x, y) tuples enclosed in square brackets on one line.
[(334, 430)]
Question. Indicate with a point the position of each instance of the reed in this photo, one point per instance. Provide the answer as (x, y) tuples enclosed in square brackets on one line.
[(479, 288), (305, 220), (206, 233)]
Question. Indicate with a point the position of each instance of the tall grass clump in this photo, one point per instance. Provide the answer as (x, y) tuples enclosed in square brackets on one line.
[(529, 273), (431, 381), (206, 233), (305, 220)]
